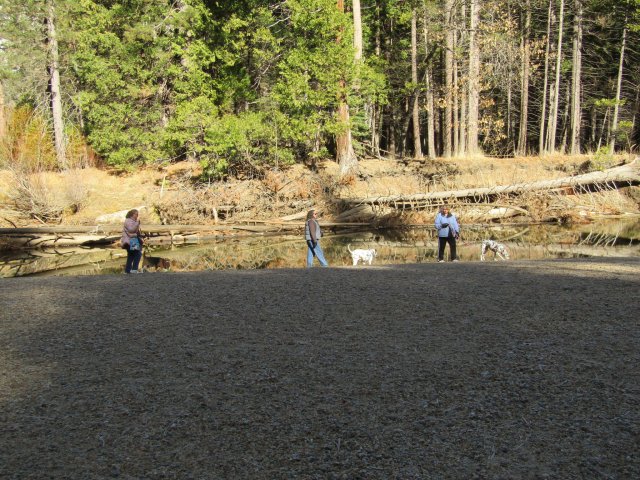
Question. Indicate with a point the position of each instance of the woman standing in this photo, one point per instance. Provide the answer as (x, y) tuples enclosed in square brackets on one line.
[(312, 234), (132, 242), (448, 232)]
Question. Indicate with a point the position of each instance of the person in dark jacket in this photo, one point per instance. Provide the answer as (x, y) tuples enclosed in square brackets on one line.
[(312, 235), (448, 232)]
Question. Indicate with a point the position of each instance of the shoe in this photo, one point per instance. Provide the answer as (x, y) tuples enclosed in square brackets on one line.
[(440, 261), (456, 260), (137, 271)]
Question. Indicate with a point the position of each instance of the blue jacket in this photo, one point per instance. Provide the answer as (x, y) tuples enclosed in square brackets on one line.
[(450, 221)]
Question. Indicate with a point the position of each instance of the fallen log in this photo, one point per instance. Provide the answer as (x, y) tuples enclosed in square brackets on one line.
[(117, 216), (624, 175), (87, 235), (11, 242)]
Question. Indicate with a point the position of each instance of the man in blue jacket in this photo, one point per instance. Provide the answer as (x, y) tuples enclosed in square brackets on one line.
[(448, 232)]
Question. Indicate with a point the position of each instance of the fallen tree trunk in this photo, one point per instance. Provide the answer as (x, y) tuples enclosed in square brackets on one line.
[(44, 237), (11, 242), (624, 175)]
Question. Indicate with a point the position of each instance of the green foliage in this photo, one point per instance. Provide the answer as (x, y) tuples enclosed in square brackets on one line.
[(256, 84), (603, 159), (245, 142), (624, 131), (604, 103)]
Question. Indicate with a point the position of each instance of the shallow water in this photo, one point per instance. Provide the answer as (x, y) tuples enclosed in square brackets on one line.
[(612, 238)]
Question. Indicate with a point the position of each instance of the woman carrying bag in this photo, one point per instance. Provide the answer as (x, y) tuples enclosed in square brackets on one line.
[(131, 241)]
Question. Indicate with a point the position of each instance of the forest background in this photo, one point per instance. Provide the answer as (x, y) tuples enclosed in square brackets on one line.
[(242, 89)]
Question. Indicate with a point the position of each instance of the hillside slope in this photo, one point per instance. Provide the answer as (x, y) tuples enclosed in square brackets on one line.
[(175, 194)]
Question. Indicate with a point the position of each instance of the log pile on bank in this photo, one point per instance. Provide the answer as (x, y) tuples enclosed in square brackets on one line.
[(479, 204), (488, 199)]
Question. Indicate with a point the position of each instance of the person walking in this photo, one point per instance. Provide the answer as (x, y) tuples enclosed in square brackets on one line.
[(448, 232), (131, 241), (312, 235)]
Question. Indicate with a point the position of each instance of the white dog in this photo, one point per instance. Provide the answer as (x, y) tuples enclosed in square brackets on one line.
[(498, 249), (361, 254)]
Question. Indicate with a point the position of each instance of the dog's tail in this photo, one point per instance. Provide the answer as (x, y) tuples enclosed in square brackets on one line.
[(348, 248)]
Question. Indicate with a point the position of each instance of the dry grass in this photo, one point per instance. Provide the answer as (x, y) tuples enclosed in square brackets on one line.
[(82, 195)]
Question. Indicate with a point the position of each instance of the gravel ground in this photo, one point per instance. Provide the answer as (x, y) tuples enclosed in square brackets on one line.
[(526, 369)]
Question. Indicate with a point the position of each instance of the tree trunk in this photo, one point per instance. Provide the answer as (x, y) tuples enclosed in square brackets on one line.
[(553, 111), (376, 110), (455, 108), (566, 120), (3, 119), (448, 78), (604, 126), (345, 155), (417, 148), (614, 124), (508, 123), (391, 147), (357, 30), (636, 111), (543, 115), (576, 110), (593, 125), (474, 80), (524, 94), (462, 120), (431, 131), (54, 83), (431, 117)]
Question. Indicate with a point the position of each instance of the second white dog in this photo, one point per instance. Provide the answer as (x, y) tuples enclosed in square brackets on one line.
[(362, 254), (498, 249)]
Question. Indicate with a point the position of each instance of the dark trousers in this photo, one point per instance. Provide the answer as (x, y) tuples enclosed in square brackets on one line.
[(133, 259), (442, 243)]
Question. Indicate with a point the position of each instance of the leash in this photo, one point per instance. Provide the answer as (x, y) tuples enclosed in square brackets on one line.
[(310, 244)]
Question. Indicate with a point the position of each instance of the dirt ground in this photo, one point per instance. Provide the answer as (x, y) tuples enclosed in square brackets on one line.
[(524, 369)]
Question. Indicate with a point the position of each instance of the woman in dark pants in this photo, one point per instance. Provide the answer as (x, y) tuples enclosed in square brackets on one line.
[(131, 234), (448, 232)]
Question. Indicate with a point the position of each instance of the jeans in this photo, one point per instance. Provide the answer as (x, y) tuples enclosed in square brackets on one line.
[(318, 253), (442, 243), (133, 259)]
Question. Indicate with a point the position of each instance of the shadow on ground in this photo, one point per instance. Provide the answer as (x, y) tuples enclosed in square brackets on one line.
[(468, 370)]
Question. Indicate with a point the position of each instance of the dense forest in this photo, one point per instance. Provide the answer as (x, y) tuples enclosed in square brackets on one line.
[(249, 85)]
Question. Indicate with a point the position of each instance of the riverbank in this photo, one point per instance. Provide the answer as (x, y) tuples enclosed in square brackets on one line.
[(177, 194), (490, 370)]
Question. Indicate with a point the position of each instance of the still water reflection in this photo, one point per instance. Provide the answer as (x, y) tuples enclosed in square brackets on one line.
[(416, 245)]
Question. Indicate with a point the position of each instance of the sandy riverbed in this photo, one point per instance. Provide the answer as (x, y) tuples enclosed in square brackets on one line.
[(525, 369)]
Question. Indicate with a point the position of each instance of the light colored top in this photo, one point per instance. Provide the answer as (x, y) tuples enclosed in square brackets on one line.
[(450, 222), (130, 230)]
